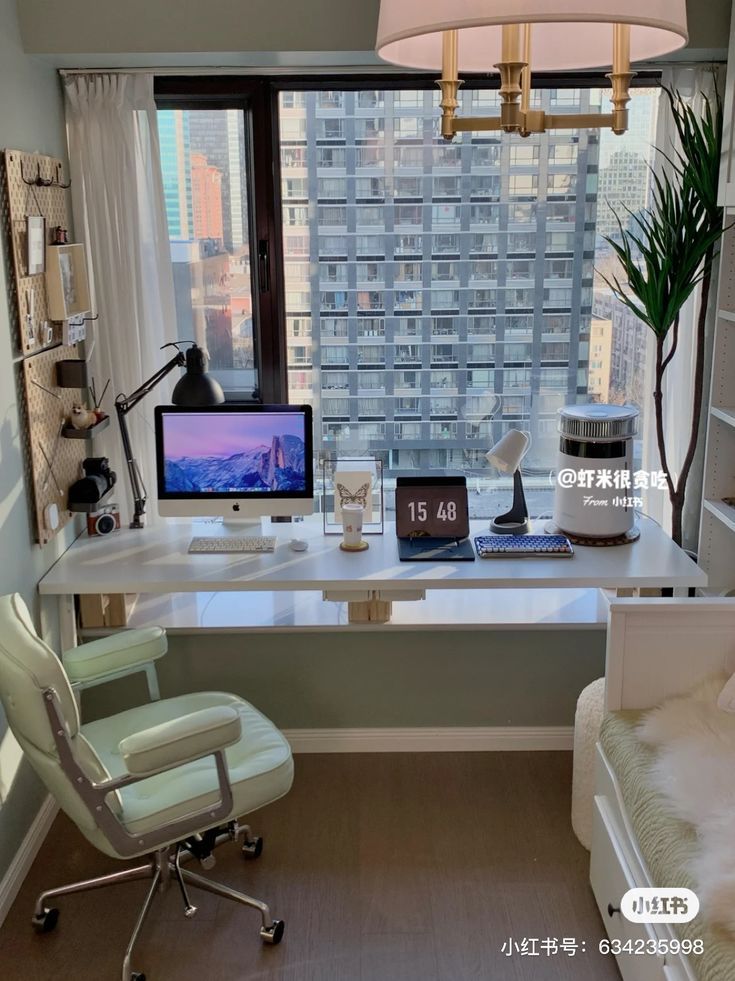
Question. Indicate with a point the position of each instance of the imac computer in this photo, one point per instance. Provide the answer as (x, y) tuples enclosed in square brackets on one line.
[(240, 462)]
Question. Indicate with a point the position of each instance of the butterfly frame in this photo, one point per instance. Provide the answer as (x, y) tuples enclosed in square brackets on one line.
[(353, 481)]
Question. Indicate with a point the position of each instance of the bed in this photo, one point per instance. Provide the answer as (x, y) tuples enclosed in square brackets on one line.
[(655, 648)]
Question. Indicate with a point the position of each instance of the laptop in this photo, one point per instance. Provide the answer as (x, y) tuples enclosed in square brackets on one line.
[(432, 519)]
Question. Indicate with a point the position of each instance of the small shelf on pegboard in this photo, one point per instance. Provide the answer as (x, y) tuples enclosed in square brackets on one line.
[(69, 432)]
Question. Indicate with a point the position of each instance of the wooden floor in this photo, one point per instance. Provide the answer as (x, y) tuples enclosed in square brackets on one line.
[(385, 867)]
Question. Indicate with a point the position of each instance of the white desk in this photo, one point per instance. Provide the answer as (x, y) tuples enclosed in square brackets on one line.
[(155, 561)]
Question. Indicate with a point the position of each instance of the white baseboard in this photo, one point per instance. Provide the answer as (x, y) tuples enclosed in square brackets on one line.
[(21, 864), (458, 739)]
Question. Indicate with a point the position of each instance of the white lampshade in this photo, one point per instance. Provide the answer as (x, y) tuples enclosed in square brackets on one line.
[(509, 450), (567, 34)]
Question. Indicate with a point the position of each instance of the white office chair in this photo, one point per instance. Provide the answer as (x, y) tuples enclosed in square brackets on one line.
[(167, 780)]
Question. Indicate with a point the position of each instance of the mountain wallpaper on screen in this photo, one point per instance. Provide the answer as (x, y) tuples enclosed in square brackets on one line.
[(278, 467)]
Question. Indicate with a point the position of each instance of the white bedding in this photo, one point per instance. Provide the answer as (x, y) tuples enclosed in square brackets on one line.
[(695, 772)]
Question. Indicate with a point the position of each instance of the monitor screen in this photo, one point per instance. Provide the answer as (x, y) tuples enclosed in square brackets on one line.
[(234, 452)]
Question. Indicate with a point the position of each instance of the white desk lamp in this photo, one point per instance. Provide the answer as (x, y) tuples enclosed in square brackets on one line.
[(506, 457)]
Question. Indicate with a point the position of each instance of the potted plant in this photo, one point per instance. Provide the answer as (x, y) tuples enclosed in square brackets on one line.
[(665, 253)]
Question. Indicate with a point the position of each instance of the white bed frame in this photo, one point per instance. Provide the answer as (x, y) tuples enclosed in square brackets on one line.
[(655, 648)]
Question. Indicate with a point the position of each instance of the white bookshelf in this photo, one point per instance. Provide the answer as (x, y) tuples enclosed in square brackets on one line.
[(717, 530)]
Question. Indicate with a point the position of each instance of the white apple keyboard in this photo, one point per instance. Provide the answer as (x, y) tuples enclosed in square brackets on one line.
[(231, 546)]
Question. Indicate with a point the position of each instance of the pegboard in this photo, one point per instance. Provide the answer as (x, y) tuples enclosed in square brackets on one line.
[(24, 200), (53, 462), (56, 462)]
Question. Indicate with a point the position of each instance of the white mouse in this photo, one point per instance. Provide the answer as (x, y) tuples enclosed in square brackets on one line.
[(298, 545)]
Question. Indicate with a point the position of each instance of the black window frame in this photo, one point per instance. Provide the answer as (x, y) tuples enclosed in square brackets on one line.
[(257, 96)]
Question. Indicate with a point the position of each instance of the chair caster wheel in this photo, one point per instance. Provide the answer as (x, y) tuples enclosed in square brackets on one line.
[(253, 848), (137, 976), (274, 933), (46, 922)]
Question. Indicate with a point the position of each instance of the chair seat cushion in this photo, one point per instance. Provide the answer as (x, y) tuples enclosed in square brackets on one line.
[(259, 764), (125, 649)]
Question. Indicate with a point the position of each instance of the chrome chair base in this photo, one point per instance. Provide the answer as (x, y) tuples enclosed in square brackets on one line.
[(163, 866)]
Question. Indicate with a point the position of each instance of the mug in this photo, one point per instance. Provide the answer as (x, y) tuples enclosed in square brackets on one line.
[(352, 515)]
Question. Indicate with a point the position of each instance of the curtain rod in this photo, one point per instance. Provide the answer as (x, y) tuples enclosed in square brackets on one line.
[(330, 69)]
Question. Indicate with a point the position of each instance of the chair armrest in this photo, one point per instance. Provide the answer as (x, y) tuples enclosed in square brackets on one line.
[(120, 653), (182, 740)]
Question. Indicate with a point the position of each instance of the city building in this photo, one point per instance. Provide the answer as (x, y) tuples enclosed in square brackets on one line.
[(623, 191), (175, 147), (628, 348), (206, 194), (436, 294), (598, 381)]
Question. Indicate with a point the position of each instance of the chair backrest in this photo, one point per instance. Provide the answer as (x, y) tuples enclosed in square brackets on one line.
[(28, 667)]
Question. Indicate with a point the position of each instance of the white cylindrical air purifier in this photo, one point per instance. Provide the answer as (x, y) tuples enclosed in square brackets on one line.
[(594, 481)]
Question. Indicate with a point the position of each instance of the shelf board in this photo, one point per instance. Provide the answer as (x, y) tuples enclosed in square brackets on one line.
[(726, 315), (724, 414), (69, 432), (493, 609), (723, 512)]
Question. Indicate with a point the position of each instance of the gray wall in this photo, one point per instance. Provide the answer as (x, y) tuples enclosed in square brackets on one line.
[(321, 681), (31, 118), (109, 26)]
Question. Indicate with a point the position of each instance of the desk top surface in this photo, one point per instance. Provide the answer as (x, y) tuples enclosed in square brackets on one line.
[(156, 560)]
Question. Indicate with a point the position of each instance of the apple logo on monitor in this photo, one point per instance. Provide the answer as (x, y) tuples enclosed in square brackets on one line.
[(235, 507)]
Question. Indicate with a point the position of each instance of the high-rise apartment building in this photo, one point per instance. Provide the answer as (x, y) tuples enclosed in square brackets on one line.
[(436, 294)]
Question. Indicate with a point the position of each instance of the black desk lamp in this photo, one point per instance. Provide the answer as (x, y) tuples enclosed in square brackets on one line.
[(193, 389)]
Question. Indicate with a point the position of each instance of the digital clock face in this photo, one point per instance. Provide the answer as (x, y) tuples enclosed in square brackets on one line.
[(437, 511)]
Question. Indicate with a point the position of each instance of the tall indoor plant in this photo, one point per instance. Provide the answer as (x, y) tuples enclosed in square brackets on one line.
[(666, 252)]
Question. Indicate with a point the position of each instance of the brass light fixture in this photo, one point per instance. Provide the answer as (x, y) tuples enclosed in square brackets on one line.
[(475, 35)]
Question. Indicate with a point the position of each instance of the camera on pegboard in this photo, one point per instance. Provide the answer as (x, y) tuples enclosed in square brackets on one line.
[(104, 521), (97, 481)]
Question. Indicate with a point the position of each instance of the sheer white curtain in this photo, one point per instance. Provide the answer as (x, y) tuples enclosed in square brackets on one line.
[(119, 211), (692, 82)]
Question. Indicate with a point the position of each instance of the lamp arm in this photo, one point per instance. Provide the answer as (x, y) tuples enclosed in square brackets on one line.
[(123, 405)]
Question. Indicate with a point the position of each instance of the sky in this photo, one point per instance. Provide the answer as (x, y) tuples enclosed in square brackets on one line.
[(204, 434)]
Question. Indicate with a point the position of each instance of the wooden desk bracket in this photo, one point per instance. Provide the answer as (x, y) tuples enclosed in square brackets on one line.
[(372, 605)]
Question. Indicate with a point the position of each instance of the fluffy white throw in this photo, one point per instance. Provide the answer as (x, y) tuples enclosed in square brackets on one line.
[(694, 769)]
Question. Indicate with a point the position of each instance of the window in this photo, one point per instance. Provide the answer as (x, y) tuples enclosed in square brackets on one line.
[(445, 214), (408, 128), (483, 243), (446, 187), (329, 156), (332, 272), (523, 185), (524, 155), (423, 296), (484, 186), (370, 272), (330, 129), (408, 244), (369, 156), (295, 187), (407, 187), (328, 187), (444, 271), (330, 215), (370, 128), (332, 245), (408, 272), (370, 187), (443, 243), (369, 245)]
